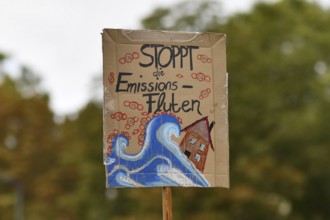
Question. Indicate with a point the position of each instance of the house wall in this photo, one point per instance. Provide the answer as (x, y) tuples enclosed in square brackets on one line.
[(195, 148)]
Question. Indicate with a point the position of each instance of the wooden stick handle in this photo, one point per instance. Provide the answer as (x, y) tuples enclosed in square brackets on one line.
[(167, 203)]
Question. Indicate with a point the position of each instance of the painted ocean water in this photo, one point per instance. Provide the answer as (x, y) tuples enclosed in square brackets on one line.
[(159, 163)]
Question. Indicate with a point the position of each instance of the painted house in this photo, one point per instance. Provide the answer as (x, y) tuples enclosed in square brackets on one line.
[(197, 141)]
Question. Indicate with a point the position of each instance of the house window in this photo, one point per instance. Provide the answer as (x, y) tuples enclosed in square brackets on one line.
[(187, 153), (202, 146), (197, 157), (192, 140)]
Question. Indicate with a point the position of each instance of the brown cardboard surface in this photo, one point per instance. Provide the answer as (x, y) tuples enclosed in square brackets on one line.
[(165, 109)]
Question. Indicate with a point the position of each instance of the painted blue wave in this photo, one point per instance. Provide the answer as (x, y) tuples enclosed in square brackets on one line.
[(159, 163)]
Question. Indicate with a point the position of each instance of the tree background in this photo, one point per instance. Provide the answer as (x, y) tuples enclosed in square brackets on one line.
[(278, 57)]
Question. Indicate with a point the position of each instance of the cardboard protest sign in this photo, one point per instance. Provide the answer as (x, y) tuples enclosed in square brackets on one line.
[(165, 109)]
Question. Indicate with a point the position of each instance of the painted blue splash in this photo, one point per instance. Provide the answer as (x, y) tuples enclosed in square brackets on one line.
[(159, 163)]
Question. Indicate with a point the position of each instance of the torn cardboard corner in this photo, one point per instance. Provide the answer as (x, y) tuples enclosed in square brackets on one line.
[(165, 109)]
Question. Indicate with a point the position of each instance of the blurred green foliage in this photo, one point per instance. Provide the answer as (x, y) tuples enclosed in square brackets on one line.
[(278, 58)]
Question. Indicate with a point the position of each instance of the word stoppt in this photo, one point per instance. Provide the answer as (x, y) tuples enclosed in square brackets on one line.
[(163, 56)]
